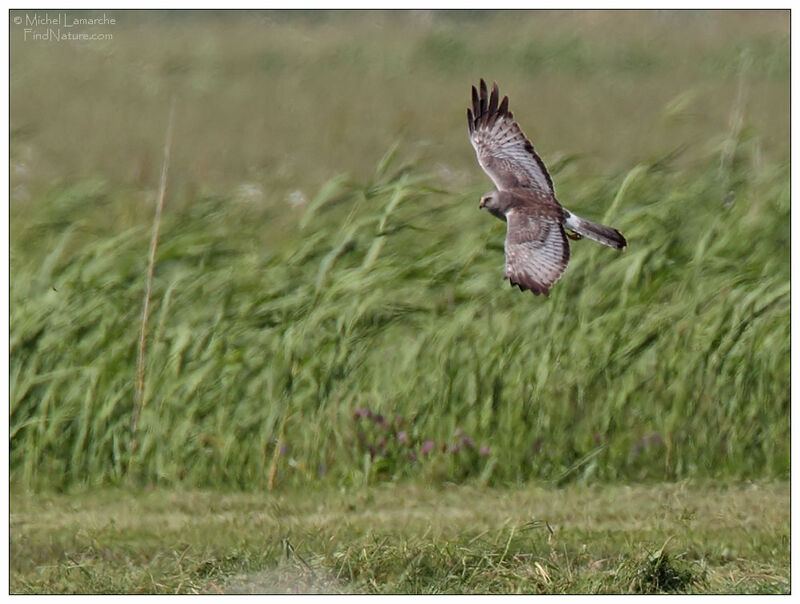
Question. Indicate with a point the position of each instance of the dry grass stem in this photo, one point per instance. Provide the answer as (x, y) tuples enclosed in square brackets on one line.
[(142, 357)]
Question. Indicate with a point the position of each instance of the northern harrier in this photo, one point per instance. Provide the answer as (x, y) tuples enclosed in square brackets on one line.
[(537, 251)]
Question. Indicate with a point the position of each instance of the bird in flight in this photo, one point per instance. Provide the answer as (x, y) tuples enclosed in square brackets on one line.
[(537, 250)]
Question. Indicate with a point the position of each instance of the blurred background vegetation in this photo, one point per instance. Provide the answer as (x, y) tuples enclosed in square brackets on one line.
[(328, 301)]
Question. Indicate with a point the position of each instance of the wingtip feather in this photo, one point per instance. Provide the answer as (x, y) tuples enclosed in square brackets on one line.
[(532, 286), (483, 101), (487, 106), (493, 101), (503, 109)]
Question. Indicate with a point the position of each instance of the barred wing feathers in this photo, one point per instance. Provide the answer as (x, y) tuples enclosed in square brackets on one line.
[(504, 153), (537, 251)]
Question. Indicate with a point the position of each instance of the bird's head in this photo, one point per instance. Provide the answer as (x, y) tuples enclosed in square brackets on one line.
[(493, 202)]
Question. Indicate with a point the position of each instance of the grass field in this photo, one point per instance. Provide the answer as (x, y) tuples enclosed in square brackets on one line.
[(684, 537), (328, 308)]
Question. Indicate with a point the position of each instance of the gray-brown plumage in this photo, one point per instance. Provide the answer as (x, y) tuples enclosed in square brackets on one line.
[(537, 250)]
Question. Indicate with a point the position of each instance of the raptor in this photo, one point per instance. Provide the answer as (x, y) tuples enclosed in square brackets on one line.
[(536, 246)]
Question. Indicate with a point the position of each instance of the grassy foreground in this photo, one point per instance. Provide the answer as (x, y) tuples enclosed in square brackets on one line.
[(678, 538)]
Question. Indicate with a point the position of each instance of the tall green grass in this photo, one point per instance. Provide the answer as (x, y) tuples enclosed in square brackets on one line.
[(276, 319), (667, 361)]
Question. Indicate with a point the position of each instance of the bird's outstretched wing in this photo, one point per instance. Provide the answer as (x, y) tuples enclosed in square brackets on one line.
[(537, 251), (503, 151)]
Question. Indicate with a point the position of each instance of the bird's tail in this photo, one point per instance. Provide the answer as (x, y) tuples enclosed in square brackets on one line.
[(595, 232)]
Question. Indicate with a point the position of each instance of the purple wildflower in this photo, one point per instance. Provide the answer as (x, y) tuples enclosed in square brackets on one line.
[(362, 412), (379, 419), (402, 437), (427, 447), (484, 452), (467, 442)]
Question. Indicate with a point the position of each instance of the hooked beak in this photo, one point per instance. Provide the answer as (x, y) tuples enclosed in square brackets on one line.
[(482, 203)]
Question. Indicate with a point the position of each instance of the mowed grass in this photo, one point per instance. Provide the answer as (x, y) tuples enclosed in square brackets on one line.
[(329, 312), (680, 538)]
